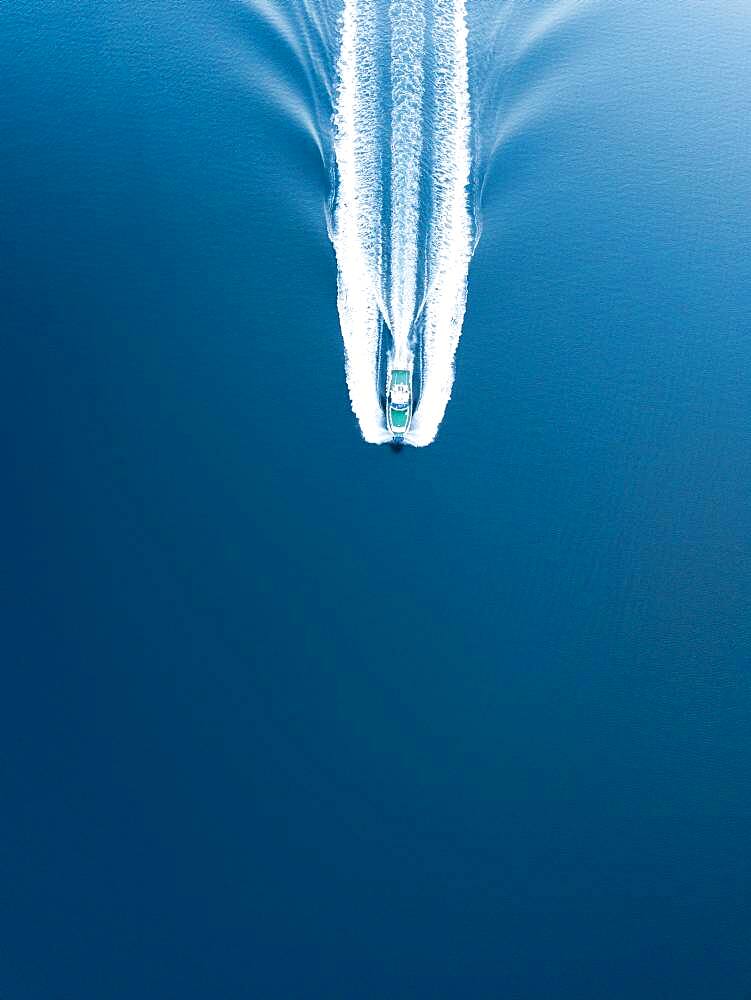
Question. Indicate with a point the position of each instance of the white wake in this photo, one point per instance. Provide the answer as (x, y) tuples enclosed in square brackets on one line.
[(406, 258), (450, 241), (357, 229), (407, 20)]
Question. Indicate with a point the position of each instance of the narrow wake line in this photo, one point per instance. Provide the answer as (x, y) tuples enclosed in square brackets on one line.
[(382, 125)]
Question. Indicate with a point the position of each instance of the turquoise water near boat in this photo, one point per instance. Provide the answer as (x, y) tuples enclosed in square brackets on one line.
[(291, 715)]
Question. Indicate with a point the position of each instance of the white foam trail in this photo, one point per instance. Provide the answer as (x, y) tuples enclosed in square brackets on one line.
[(407, 19), (373, 290), (450, 239), (357, 213)]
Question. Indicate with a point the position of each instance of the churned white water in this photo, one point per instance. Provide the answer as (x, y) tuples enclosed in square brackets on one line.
[(402, 229), (357, 228)]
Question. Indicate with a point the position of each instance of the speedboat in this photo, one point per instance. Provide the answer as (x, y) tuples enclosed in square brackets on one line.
[(399, 402)]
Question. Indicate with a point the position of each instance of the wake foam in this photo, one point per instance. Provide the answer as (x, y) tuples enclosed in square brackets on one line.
[(402, 262), (450, 227), (407, 20), (357, 230)]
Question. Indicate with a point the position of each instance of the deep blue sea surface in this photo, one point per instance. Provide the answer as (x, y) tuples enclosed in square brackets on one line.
[(290, 716)]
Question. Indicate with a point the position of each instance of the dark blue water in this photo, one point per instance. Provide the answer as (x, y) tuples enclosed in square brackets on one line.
[(286, 715)]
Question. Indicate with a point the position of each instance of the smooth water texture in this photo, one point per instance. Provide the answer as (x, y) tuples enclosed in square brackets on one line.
[(290, 716)]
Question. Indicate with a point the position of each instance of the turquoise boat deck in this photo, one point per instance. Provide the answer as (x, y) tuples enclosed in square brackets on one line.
[(399, 418)]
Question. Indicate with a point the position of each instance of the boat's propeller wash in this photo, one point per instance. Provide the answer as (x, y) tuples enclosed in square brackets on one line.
[(401, 228)]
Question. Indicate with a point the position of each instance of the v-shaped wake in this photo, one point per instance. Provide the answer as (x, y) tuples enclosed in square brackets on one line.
[(402, 228)]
